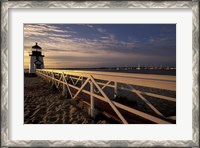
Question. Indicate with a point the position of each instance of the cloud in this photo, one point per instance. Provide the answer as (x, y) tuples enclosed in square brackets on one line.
[(152, 40), (44, 30), (90, 26), (101, 30), (50, 37), (162, 39), (106, 34), (105, 37), (59, 50), (94, 43)]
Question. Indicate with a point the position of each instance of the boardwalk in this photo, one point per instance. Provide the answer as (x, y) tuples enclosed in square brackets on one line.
[(129, 98)]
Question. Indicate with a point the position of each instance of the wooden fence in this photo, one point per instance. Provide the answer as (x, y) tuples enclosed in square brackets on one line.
[(99, 81)]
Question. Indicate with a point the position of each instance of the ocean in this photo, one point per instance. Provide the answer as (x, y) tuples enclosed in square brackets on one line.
[(171, 72), (143, 71)]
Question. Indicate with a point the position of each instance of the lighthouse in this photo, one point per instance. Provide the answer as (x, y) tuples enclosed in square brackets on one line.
[(36, 59)]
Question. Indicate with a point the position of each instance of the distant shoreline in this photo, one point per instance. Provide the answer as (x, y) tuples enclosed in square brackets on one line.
[(155, 71)]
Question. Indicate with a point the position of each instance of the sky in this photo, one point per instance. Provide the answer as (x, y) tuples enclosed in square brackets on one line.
[(102, 45)]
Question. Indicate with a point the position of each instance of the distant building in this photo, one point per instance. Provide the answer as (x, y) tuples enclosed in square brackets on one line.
[(36, 59)]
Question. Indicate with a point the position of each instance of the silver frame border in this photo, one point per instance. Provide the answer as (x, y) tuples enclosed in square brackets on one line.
[(5, 142)]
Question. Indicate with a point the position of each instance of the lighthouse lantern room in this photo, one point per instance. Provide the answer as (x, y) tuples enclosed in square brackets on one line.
[(36, 59)]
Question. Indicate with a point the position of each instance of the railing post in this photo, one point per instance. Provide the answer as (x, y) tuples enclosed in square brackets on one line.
[(82, 81), (64, 93), (92, 109), (115, 90)]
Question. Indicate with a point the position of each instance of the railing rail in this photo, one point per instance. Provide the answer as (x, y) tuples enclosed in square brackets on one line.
[(98, 81)]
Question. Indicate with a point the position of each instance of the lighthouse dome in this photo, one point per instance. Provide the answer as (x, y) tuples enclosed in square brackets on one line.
[(36, 46)]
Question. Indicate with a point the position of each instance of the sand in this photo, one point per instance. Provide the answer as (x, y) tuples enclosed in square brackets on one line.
[(45, 105)]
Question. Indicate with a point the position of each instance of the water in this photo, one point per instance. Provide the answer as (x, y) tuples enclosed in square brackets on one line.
[(171, 72), (156, 72), (141, 71)]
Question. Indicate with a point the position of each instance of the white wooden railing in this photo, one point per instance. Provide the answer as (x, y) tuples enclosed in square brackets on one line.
[(98, 81)]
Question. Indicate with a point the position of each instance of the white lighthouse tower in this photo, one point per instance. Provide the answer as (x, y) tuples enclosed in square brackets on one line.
[(36, 59)]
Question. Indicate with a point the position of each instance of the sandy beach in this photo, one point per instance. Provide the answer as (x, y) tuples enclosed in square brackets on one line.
[(45, 105)]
